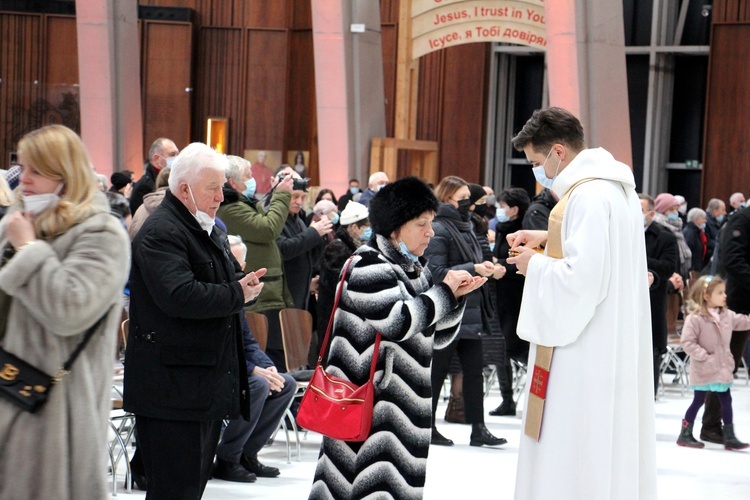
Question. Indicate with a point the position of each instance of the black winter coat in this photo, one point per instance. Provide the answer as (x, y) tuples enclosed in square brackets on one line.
[(663, 259), (185, 357), (300, 248), (144, 186), (509, 292), (537, 215), (693, 239), (444, 254), (734, 256), (333, 260)]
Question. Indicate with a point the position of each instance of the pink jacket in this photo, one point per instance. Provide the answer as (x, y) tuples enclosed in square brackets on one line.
[(707, 343)]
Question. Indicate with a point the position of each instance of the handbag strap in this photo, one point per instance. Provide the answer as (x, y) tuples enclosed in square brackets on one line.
[(65, 370), (324, 345)]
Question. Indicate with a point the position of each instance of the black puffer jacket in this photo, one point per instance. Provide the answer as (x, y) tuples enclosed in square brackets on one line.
[(734, 256), (446, 253), (185, 357)]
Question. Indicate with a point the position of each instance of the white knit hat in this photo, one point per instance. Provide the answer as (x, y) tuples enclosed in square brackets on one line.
[(353, 212)]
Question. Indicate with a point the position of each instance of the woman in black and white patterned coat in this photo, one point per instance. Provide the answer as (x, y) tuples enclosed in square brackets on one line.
[(390, 290)]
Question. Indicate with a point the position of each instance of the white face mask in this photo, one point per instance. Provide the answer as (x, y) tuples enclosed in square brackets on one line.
[(38, 203), (206, 221), (541, 176), (170, 161)]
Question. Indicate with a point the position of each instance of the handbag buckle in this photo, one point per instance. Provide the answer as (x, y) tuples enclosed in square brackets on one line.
[(59, 376)]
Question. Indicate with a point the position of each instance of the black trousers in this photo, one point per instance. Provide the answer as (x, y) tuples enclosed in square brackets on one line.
[(712, 411), (177, 456), (470, 354)]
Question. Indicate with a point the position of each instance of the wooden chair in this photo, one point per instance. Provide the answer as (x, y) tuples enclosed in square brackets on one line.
[(258, 324)]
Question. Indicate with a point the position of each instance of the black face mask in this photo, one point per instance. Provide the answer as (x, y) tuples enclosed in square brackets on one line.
[(463, 207), (480, 210)]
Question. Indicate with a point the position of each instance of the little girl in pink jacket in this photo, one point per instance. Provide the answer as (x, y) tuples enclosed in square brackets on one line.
[(705, 337)]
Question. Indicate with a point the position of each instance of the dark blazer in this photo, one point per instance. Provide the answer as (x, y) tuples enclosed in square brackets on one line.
[(662, 258), (144, 186), (184, 358), (734, 256), (254, 356), (301, 248)]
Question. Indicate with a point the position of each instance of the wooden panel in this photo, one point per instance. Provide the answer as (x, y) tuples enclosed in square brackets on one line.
[(265, 91), (389, 11), (301, 91), (61, 51), (268, 14), (21, 104), (219, 84), (389, 36), (463, 111), (431, 69), (727, 110), (166, 74), (301, 15)]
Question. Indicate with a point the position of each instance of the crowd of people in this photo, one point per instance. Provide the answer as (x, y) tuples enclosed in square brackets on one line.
[(437, 271)]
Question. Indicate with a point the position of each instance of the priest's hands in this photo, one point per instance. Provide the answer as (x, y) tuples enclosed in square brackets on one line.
[(462, 283), (523, 246)]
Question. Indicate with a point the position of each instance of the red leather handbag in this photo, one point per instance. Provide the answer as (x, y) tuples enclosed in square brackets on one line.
[(334, 406)]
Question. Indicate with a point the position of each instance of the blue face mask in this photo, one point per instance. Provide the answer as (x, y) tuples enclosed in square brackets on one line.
[(250, 186), (673, 216), (492, 246), (407, 253), (541, 176), (501, 216), (702, 226), (335, 219), (367, 235), (720, 219), (354, 190)]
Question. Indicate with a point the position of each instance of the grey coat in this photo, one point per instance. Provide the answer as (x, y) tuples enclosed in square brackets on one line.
[(59, 289)]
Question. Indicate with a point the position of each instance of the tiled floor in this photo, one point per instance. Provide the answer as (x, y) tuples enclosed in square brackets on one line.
[(684, 474)]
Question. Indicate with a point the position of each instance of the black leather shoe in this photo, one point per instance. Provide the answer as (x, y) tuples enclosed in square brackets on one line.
[(138, 481), (229, 471), (251, 464), (439, 440), (506, 409), (481, 436), (712, 435)]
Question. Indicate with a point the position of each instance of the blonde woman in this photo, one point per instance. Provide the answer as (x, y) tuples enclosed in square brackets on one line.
[(64, 264)]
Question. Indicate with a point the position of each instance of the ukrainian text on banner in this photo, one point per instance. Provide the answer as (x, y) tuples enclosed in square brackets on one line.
[(437, 24)]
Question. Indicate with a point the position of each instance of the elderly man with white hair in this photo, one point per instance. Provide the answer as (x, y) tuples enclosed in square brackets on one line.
[(737, 202), (184, 369), (375, 184)]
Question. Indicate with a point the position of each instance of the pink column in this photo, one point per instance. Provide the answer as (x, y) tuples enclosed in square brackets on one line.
[(109, 77), (331, 95), (587, 73)]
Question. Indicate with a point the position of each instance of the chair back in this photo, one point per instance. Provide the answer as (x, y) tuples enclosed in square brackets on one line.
[(296, 333), (258, 324)]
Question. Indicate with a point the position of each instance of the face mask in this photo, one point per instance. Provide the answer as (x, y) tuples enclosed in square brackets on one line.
[(682, 209), (170, 161), (463, 207), (380, 187), (743, 204), (38, 203), (720, 219), (353, 190), (250, 186), (367, 235), (673, 216), (335, 219), (541, 177), (206, 221), (702, 226), (480, 210), (501, 215), (407, 253)]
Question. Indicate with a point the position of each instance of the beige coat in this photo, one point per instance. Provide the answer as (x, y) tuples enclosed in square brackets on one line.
[(707, 343), (59, 289), (150, 202)]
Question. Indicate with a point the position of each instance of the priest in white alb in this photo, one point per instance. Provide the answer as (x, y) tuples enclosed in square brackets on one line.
[(589, 421)]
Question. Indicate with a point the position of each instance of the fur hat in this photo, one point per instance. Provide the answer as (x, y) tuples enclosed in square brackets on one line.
[(353, 212), (399, 202), (664, 202)]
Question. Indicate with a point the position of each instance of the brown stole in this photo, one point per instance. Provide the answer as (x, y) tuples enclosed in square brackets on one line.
[(543, 360)]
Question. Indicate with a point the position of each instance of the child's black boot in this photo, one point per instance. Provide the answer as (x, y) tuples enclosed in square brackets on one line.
[(686, 436)]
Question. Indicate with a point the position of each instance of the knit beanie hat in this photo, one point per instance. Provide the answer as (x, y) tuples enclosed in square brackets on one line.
[(119, 180), (664, 202), (476, 192), (399, 202)]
